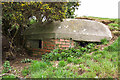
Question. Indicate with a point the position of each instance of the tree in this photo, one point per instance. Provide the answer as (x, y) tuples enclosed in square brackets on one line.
[(71, 7), (16, 15)]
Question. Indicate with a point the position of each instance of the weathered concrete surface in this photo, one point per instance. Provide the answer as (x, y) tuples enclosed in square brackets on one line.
[(77, 29)]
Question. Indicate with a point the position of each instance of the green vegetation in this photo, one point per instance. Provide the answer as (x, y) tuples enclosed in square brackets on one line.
[(6, 67), (104, 41), (114, 26), (62, 63), (16, 17), (32, 21), (71, 6), (26, 60), (81, 62), (100, 18), (100, 64), (25, 72), (10, 77), (114, 47), (69, 59), (59, 54)]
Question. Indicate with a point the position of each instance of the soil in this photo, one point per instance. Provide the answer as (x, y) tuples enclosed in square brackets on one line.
[(18, 66), (103, 21)]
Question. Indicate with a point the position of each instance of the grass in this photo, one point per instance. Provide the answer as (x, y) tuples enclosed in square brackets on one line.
[(25, 72), (43, 70), (62, 63), (101, 64), (104, 41), (9, 77), (100, 18)]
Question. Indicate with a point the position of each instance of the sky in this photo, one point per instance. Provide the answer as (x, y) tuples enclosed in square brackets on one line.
[(98, 8)]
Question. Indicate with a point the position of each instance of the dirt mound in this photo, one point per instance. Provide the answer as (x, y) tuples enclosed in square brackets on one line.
[(103, 21)]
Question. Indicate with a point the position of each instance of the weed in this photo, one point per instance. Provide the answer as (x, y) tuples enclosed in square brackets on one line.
[(36, 65), (107, 67), (82, 66), (25, 72), (113, 47), (62, 63), (90, 74), (99, 64), (114, 25), (104, 41), (26, 60), (6, 67), (83, 49), (76, 61), (81, 60), (69, 59), (111, 28), (39, 74), (98, 52), (86, 56), (10, 77), (97, 57)]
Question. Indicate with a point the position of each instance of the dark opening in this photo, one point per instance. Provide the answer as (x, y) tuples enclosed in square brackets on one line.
[(40, 43)]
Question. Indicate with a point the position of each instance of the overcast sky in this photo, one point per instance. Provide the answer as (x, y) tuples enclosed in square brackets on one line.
[(98, 8)]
